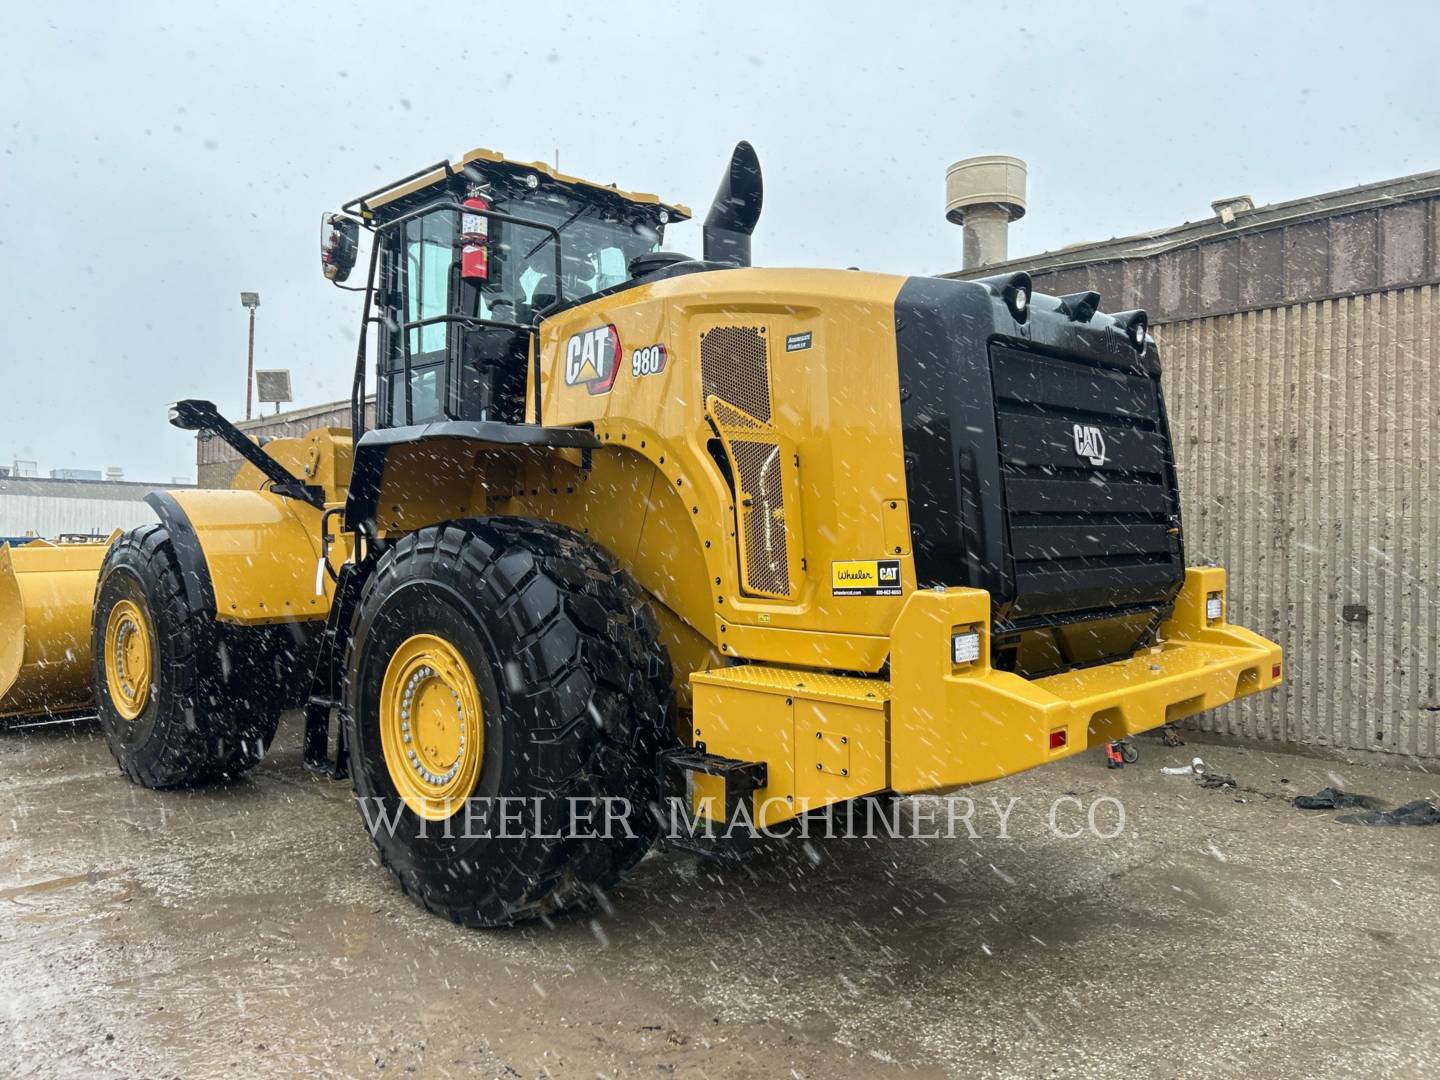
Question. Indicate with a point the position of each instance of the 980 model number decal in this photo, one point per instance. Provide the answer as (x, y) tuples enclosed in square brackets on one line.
[(648, 361)]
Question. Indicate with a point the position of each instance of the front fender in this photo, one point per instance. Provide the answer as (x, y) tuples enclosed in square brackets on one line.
[(246, 557)]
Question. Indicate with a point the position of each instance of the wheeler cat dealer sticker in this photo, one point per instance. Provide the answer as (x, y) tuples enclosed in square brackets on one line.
[(796, 342), (592, 358), (865, 577)]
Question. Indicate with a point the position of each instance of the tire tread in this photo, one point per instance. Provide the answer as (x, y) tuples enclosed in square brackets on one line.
[(202, 733), (583, 629)]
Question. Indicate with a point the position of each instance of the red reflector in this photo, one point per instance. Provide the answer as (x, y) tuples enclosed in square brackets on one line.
[(1275, 672), (1057, 739)]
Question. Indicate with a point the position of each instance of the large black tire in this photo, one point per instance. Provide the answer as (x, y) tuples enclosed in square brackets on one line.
[(214, 696), (575, 688)]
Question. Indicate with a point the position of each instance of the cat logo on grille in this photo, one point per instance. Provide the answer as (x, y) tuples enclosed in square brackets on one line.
[(592, 357), (1090, 444)]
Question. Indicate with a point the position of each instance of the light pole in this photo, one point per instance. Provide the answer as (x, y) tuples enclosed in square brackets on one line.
[(250, 300)]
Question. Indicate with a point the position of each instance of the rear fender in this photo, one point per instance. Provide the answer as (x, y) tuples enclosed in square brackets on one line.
[(408, 477)]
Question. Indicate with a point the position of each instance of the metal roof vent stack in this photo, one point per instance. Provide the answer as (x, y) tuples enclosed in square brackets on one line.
[(983, 195), (1227, 208)]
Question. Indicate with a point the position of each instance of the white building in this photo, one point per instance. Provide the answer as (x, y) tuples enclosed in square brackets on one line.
[(51, 507)]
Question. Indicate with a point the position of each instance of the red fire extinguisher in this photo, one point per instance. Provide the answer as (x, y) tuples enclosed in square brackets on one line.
[(474, 233)]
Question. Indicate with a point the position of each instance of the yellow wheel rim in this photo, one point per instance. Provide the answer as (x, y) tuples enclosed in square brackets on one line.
[(432, 726), (129, 660)]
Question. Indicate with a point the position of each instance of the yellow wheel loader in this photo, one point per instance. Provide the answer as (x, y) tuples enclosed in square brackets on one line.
[(631, 522)]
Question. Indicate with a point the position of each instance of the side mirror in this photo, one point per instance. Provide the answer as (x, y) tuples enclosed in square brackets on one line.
[(339, 245), (194, 414)]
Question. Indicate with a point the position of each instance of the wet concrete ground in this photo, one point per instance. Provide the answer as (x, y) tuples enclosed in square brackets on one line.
[(246, 929)]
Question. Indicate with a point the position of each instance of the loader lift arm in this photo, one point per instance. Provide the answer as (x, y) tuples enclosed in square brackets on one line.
[(193, 414)]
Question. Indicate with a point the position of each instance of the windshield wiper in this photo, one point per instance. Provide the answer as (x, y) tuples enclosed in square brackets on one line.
[(563, 226)]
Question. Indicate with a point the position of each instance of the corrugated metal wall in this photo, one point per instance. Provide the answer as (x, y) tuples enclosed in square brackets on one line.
[(1308, 439), (53, 515)]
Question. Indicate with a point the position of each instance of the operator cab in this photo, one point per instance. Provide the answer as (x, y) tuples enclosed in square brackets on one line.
[(466, 258)]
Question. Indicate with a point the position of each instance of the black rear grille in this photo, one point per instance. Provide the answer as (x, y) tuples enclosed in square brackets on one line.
[(1088, 478)]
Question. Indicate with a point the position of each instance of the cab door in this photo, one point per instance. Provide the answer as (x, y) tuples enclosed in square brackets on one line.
[(422, 265)]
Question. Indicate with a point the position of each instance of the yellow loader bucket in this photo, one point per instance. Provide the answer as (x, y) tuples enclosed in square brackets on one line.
[(46, 593)]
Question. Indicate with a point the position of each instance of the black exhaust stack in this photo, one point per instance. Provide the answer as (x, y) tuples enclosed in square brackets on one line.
[(736, 209)]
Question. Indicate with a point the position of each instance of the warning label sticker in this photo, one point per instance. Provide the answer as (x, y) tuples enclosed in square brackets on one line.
[(865, 577)]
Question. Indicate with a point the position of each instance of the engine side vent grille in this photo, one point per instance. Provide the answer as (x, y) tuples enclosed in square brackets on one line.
[(735, 372), (733, 419), (762, 517), (735, 367)]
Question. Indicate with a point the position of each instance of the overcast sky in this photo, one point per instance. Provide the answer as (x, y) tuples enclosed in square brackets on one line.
[(158, 158)]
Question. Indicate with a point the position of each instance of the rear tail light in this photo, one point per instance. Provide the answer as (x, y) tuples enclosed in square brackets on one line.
[(965, 647), (1214, 606), (1058, 738)]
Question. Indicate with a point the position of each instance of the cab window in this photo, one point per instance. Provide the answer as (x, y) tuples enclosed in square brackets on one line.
[(597, 244), (424, 267)]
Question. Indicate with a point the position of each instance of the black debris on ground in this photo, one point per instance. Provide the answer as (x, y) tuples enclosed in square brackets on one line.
[(1419, 812), (1333, 798)]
